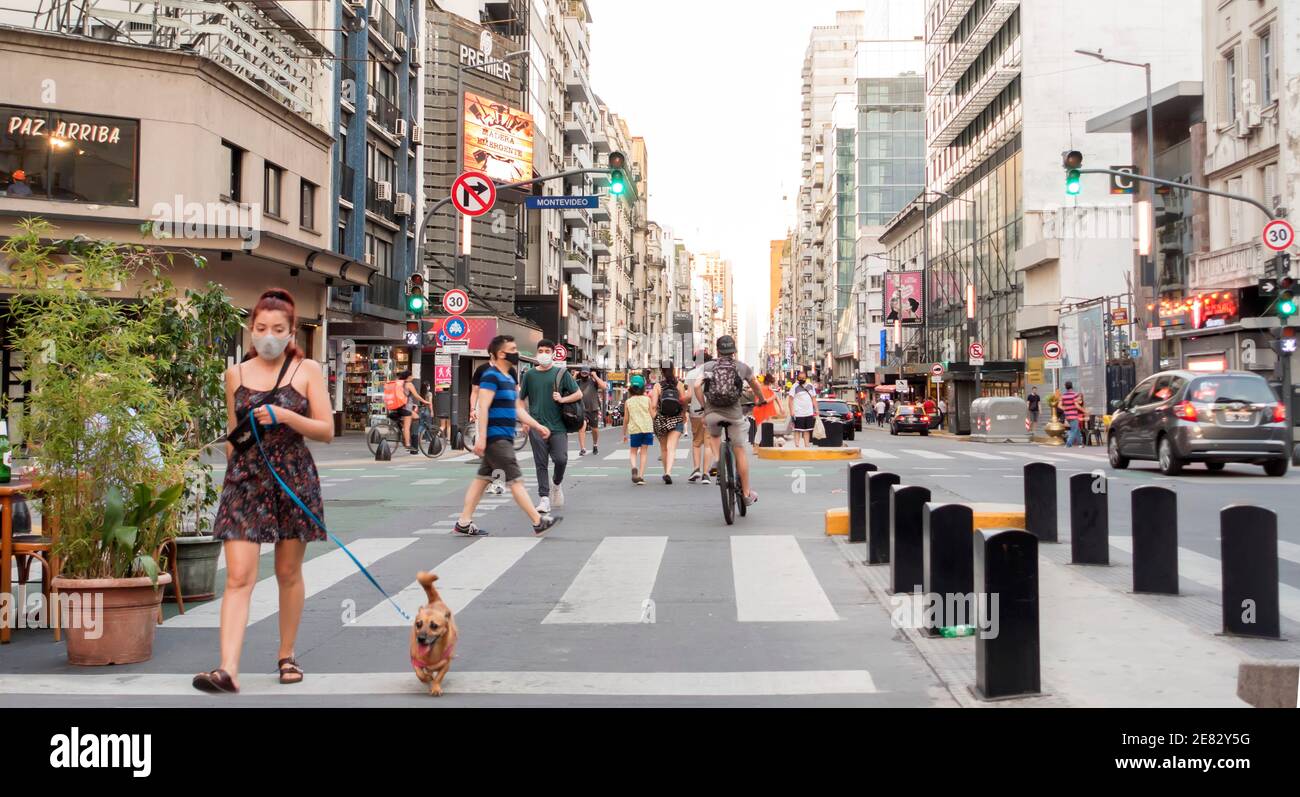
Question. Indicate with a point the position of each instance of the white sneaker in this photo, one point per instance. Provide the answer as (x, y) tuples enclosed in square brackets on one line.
[(497, 488), (544, 506), (557, 495)]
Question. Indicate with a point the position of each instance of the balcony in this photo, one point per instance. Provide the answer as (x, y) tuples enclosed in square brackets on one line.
[(383, 24), (385, 292), (577, 261), (1233, 267), (600, 242), (577, 217), (599, 287), (945, 16), (349, 77), (949, 61), (576, 87), (951, 115), (385, 115), (577, 127), (599, 140), (380, 207)]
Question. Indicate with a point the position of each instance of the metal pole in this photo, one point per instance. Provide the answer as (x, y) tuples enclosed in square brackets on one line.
[(925, 277), (456, 441), (1153, 251)]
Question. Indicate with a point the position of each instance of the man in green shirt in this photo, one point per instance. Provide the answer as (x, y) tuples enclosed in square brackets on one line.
[(545, 388)]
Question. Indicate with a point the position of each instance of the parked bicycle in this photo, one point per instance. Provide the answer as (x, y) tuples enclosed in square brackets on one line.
[(470, 430), (428, 438)]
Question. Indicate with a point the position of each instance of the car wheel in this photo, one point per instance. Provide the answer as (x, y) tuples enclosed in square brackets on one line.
[(1277, 467), (1214, 467), (1170, 464), (1117, 460), (925, 432)]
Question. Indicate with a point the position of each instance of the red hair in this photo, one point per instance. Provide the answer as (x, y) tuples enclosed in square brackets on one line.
[(280, 300)]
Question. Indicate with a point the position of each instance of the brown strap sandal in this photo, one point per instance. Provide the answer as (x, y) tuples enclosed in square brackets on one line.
[(290, 671), (215, 682)]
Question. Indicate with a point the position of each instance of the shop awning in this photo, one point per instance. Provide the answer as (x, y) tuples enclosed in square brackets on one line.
[(369, 332)]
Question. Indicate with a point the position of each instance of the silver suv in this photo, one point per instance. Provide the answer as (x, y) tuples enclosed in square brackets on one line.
[(1177, 417)]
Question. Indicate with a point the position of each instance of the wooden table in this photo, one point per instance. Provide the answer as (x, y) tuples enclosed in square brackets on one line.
[(18, 488)]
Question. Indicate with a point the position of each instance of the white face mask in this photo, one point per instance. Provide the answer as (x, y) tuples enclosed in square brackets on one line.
[(269, 347), (545, 360)]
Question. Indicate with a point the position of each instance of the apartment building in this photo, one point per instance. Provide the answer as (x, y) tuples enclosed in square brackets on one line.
[(1006, 94)]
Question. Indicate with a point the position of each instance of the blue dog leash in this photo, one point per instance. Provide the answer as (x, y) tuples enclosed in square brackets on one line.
[(258, 437)]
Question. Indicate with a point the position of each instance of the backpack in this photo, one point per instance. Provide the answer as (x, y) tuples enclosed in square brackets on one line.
[(571, 414), (670, 401), (394, 395), (722, 387)]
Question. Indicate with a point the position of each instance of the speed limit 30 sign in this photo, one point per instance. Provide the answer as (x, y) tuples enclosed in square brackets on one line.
[(1279, 235), (455, 301)]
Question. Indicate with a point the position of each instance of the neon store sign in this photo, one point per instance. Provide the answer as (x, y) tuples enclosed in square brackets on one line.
[(1205, 311)]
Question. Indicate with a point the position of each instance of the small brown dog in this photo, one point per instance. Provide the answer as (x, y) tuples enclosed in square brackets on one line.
[(433, 638)]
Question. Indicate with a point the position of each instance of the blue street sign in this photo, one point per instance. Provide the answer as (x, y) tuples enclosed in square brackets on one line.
[(883, 348), (561, 202), (456, 328)]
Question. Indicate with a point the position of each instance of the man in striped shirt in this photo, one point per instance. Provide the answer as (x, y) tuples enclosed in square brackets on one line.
[(1071, 403), (495, 439)]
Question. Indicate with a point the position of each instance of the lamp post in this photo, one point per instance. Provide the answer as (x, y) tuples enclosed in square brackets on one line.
[(1149, 257)]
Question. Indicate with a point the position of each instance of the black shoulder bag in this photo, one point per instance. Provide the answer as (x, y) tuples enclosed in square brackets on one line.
[(571, 413), (242, 437)]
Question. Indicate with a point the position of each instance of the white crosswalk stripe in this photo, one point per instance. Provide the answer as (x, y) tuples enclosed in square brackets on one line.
[(924, 454), (1208, 571), (622, 453), (875, 453), (1086, 457), (318, 574), (462, 577), (775, 583), (615, 583), (428, 482), (980, 455), (1037, 456)]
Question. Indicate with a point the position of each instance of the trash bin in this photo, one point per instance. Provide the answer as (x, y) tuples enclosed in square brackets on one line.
[(1000, 419), (834, 434)]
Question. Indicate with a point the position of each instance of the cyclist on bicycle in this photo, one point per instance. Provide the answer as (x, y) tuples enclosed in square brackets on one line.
[(407, 413), (720, 393)]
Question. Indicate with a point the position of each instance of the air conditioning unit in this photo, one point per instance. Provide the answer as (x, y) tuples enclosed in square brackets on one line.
[(372, 103), (402, 205), (401, 40), (384, 191), (417, 134), (399, 128)]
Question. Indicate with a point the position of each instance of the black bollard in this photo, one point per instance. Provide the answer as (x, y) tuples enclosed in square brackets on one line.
[(906, 548), (858, 500), (1089, 520), (1250, 575), (384, 453), (1040, 501), (878, 485), (1155, 540), (1006, 584), (766, 434), (949, 573)]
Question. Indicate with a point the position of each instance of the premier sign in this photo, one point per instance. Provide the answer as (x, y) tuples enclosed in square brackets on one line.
[(473, 57)]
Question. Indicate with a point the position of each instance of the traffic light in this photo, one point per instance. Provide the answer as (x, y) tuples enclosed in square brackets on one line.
[(1286, 302), (415, 301), (1072, 161), (617, 174)]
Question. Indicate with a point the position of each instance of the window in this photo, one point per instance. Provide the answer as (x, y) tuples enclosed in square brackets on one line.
[(345, 215), (271, 192), (234, 157), (1231, 83), (1266, 68), (68, 157), (307, 206)]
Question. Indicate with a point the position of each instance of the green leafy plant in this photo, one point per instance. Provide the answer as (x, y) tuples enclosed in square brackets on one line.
[(97, 422)]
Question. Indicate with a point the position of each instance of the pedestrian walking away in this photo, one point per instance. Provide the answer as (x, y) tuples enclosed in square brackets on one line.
[(803, 409), (668, 404), (499, 411), (880, 408), (638, 426), (593, 388), (700, 460), (545, 388), (285, 392)]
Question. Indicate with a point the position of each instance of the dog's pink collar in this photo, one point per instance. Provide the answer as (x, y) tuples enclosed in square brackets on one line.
[(420, 665)]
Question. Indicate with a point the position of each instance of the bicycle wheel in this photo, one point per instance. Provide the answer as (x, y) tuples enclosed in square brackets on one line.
[(737, 491), (725, 468), (521, 437)]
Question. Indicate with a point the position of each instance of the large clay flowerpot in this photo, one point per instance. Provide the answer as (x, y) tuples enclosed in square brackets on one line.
[(122, 633), (196, 559)]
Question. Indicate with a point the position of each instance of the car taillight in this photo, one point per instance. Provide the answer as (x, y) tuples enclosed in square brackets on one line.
[(925, 419), (1185, 410), (1279, 413)]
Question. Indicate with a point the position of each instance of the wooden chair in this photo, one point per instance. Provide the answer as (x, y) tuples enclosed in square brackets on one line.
[(39, 546)]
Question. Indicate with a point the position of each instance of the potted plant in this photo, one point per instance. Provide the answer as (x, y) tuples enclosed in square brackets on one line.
[(101, 432), (196, 333)]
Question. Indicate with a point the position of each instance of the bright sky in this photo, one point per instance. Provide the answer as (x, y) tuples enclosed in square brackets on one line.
[(714, 87)]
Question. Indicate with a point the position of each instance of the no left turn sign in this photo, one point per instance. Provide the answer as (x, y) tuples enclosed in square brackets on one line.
[(473, 193), (1279, 235)]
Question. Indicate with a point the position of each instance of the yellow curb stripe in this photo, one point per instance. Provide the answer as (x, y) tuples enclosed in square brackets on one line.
[(807, 454), (837, 522)]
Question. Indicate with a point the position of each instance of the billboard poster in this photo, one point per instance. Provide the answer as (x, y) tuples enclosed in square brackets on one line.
[(1083, 361), (718, 299), (903, 295), (498, 139)]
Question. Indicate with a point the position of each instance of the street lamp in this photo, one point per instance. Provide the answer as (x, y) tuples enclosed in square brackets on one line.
[(1149, 226)]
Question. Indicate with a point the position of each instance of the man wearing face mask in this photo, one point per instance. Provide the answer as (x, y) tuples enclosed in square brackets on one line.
[(592, 387), (545, 388), (803, 409)]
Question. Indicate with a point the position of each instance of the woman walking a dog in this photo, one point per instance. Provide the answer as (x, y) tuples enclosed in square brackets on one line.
[(285, 392)]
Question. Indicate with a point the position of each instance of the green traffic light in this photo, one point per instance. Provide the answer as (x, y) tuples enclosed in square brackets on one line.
[(1073, 183), (1286, 306), (618, 184), (415, 303)]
